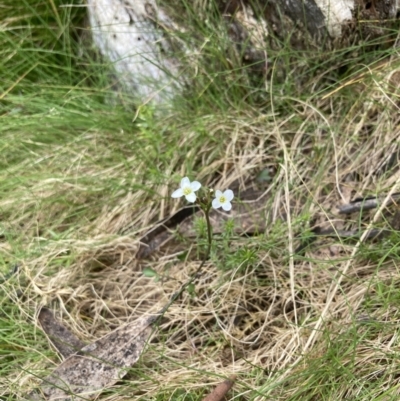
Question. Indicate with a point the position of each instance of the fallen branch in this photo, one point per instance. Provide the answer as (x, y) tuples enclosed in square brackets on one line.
[(367, 203)]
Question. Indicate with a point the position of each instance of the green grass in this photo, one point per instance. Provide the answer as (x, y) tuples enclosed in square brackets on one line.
[(85, 172)]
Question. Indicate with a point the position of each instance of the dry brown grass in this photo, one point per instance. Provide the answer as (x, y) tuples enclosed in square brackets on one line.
[(272, 324)]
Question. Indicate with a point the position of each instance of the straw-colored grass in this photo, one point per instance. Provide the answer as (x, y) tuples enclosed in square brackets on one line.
[(82, 180)]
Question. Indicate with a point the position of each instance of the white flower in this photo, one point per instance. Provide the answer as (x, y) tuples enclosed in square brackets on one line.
[(223, 199), (187, 190)]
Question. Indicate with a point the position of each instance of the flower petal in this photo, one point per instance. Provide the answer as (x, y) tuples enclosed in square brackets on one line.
[(228, 195), (227, 206), (191, 197), (195, 185), (218, 193), (185, 182), (178, 193), (216, 203)]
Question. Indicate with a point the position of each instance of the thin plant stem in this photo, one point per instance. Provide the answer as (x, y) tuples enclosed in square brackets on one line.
[(209, 235), (178, 293)]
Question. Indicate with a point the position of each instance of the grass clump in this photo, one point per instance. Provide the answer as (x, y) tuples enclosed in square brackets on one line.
[(84, 173)]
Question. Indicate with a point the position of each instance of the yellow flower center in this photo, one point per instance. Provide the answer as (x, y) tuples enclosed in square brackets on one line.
[(187, 191), (222, 199)]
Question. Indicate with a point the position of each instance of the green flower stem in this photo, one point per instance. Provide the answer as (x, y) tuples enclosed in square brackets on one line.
[(209, 231), (206, 209)]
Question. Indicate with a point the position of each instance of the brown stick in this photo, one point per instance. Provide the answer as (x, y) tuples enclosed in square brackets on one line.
[(366, 203), (220, 391)]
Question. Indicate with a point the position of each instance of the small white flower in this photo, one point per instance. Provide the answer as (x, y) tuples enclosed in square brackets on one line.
[(187, 190), (223, 199)]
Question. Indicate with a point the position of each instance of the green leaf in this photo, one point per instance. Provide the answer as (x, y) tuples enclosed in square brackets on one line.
[(182, 257), (191, 290), (148, 272)]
